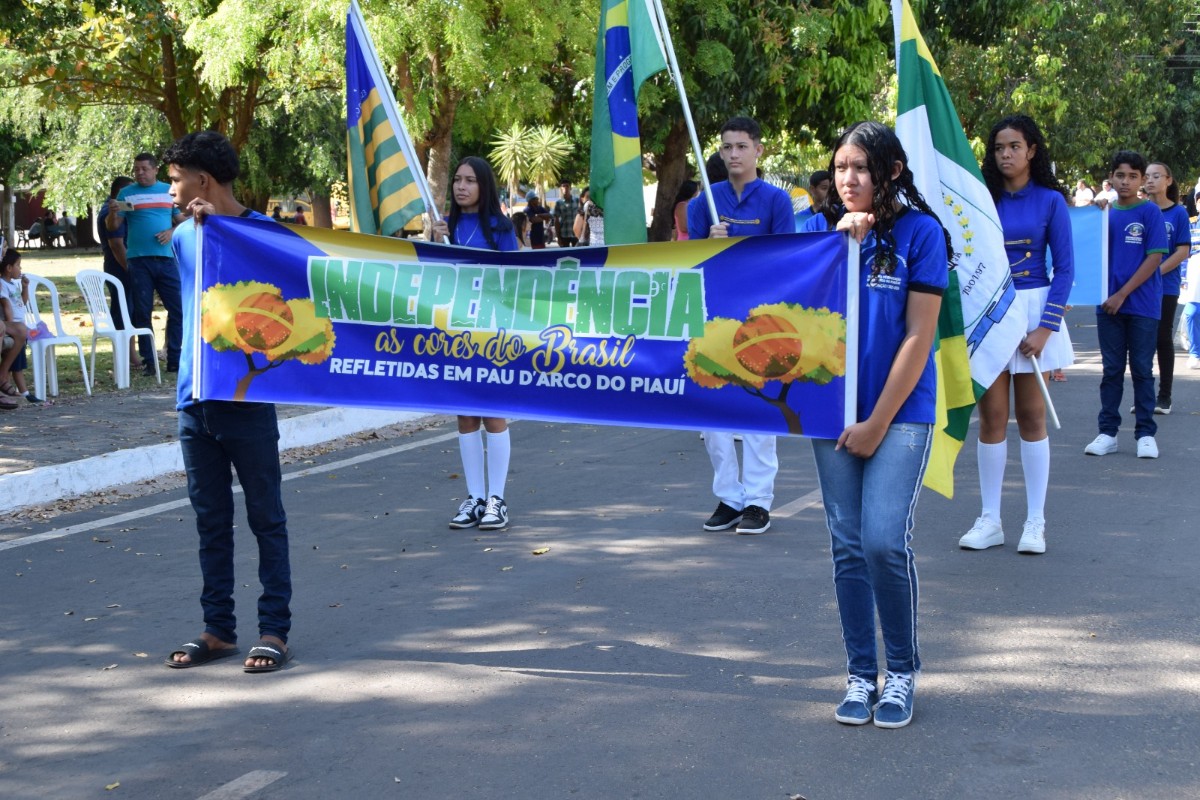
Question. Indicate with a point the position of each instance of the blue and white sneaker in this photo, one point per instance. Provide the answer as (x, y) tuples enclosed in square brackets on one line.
[(468, 514), (861, 697), (896, 704)]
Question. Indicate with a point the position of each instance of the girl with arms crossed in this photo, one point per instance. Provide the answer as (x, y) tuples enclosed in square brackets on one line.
[(1161, 188)]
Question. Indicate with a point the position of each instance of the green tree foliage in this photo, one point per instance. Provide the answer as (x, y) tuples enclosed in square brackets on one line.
[(473, 66), (1091, 72), (792, 65)]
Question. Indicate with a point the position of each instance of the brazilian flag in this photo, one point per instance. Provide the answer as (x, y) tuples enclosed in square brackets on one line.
[(629, 49)]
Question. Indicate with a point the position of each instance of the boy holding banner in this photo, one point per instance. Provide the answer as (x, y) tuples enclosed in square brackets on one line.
[(215, 435), (747, 206), (1127, 322)]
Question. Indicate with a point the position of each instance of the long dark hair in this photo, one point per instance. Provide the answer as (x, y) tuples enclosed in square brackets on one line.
[(1173, 189), (1040, 168), (490, 212), (883, 149)]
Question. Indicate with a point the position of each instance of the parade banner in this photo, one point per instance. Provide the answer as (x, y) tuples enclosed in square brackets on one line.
[(1089, 237), (747, 335)]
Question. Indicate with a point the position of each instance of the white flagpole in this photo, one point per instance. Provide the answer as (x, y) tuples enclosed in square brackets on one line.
[(1041, 379), (677, 76), (388, 99)]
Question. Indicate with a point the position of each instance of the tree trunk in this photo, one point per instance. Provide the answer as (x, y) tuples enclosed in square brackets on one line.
[(439, 140), (257, 201), (322, 216), (673, 169), (7, 223)]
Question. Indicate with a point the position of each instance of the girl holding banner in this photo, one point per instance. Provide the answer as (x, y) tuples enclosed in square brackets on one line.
[(476, 220), (871, 476), (1032, 207)]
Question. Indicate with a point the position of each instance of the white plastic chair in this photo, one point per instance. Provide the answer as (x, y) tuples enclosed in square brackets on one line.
[(45, 367), (91, 283)]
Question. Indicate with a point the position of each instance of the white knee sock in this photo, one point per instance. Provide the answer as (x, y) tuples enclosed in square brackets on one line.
[(498, 450), (992, 458), (1035, 461), (470, 445)]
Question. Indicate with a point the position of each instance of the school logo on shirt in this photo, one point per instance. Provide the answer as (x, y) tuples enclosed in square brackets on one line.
[(891, 282), (1135, 233)]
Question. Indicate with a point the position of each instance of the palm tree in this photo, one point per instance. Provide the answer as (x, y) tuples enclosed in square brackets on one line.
[(510, 156), (548, 149)]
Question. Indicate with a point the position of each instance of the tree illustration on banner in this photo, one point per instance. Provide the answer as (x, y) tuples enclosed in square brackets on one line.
[(779, 342), (254, 318)]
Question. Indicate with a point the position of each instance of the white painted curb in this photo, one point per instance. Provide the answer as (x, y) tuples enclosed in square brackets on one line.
[(48, 484)]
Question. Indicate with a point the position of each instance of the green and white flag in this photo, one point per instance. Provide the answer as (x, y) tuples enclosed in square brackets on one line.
[(976, 334)]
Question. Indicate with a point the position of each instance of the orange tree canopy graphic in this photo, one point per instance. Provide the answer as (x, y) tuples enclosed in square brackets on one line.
[(781, 342), (253, 318)]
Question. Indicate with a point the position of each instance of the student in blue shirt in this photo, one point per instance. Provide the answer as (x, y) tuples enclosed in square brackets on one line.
[(476, 220), (1032, 207), (1162, 190), (217, 435), (1127, 321), (747, 206), (871, 476), (818, 189)]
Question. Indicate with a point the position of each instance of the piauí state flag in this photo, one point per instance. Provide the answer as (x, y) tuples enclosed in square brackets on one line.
[(976, 334), (384, 194), (629, 49)]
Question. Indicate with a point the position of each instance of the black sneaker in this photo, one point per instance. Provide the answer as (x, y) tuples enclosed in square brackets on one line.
[(755, 519), (495, 514), (1163, 406), (33, 398), (724, 518), (468, 513)]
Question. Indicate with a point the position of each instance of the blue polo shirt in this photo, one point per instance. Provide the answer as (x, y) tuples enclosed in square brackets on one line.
[(469, 233), (1134, 232), (921, 266), (1178, 233), (183, 244), (1033, 219), (762, 208), (153, 211)]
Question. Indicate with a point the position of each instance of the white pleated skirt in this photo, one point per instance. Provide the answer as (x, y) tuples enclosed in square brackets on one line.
[(1058, 352)]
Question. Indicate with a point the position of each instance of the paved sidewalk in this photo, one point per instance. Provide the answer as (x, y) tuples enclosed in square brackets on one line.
[(74, 444)]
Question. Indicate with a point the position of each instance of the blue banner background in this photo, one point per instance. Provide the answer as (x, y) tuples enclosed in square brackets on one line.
[(738, 276)]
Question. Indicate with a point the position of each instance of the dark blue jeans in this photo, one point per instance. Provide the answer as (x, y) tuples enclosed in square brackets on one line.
[(1127, 337), (161, 274), (214, 436)]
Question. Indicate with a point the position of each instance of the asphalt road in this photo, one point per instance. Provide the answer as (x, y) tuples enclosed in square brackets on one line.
[(639, 657)]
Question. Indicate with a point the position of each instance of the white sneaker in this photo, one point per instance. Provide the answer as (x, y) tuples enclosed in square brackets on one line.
[(1147, 447), (984, 533), (1102, 445), (1193, 362), (1033, 537)]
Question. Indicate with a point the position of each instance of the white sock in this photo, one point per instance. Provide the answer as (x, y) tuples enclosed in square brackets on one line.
[(498, 450), (992, 458), (470, 445), (1035, 461)]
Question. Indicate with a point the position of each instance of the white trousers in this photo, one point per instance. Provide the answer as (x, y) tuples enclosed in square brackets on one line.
[(757, 484)]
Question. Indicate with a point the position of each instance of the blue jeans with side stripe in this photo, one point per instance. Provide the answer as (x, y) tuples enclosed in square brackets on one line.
[(869, 507)]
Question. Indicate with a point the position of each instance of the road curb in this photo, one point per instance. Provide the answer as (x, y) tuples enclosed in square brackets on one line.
[(43, 485)]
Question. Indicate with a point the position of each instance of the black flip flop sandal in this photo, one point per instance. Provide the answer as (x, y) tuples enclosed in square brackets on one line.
[(265, 649), (199, 652)]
